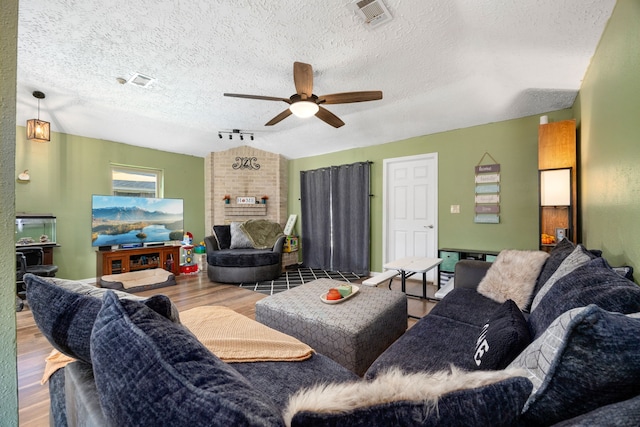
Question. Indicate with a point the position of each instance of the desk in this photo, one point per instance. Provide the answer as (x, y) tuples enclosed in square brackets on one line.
[(409, 266)]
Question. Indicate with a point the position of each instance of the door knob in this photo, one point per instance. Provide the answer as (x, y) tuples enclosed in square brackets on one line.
[(428, 226)]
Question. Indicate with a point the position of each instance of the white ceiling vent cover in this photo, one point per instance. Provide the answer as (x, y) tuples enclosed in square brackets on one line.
[(374, 12), (140, 80)]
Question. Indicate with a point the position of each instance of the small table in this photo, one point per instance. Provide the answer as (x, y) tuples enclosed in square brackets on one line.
[(409, 266), (353, 332)]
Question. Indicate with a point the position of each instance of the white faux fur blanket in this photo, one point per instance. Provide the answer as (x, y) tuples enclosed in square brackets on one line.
[(392, 386)]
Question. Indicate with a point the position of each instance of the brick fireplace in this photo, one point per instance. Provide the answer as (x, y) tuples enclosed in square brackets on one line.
[(245, 172)]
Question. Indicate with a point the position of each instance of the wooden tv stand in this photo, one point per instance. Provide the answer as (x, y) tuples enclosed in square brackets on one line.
[(125, 260)]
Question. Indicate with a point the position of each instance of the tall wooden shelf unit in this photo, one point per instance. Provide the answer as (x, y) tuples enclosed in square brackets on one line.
[(557, 149), (126, 260)]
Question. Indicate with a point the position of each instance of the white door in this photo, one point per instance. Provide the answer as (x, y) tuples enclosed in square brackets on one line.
[(410, 200)]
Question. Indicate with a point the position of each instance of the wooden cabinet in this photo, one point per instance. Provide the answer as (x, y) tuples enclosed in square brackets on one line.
[(126, 260), (557, 149)]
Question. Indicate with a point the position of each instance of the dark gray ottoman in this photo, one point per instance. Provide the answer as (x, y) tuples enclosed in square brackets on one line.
[(353, 332)]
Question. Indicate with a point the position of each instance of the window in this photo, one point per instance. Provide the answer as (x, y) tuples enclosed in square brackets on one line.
[(137, 182)]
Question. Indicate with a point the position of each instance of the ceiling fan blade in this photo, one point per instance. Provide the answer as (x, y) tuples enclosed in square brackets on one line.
[(348, 97), (328, 117), (303, 79), (266, 98), (277, 119)]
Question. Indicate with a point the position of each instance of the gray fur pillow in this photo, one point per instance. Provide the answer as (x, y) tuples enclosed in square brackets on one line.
[(513, 276), (239, 239)]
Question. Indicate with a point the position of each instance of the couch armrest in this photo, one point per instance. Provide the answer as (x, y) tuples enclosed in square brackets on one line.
[(211, 244), (279, 244), (469, 273)]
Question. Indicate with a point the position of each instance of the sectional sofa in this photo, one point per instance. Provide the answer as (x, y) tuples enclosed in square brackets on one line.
[(532, 339)]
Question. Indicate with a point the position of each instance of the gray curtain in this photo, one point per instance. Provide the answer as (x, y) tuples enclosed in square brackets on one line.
[(336, 226)]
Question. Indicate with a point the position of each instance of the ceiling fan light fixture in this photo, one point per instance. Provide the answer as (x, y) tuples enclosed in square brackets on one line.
[(304, 109)]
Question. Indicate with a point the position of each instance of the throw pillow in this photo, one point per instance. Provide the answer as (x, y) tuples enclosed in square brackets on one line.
[(625, 271), (578, 257), (513, 276), (503, 337), (222, 234), (586, 359), (591, 283), (562, 250), (65, 311), (394, 398), (167, 376), (239, 239)]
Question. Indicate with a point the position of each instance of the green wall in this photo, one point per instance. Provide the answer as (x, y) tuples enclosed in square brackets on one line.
[(609, 131), (8, 66), (512, 143), (69, 169)]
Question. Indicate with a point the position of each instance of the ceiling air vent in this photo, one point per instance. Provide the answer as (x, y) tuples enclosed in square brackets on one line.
[(140, 80), (374, 12)]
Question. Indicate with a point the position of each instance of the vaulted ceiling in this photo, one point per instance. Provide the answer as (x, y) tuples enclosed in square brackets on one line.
[(441, 65)]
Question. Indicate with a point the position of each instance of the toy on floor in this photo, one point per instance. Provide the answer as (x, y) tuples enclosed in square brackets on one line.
[(188, 265)]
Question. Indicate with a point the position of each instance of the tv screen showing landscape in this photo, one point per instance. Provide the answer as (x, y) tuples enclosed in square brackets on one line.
[(122, 220)]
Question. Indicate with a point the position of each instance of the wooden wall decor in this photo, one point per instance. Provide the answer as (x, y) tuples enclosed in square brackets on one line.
[(487, 192), (246, 163)]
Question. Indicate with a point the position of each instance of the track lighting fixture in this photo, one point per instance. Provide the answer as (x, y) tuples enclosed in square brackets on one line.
[(233, 132)]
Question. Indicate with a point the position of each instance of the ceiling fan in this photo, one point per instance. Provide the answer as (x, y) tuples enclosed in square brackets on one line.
[(305, 104)]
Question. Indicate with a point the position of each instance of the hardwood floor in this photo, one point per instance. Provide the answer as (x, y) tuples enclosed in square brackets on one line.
[(191, 291)]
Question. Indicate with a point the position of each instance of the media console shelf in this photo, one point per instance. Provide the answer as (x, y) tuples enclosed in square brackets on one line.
[(126, 260)]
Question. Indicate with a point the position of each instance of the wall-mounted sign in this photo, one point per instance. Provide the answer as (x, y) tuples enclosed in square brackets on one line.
[(490, 188), (495, 168), (246, 200), (487, 192), (246, 163), (487, 198), (487, 219), (491, 177), (494, 209)]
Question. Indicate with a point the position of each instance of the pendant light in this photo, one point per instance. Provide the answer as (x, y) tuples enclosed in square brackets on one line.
[(38, 130)]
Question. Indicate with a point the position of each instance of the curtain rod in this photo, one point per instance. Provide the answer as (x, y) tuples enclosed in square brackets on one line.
[(337, 166)]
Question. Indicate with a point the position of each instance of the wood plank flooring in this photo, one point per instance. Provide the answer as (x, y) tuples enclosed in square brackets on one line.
[(191, 291)]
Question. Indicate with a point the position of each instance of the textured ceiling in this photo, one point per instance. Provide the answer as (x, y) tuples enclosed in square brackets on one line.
[(441, 64)]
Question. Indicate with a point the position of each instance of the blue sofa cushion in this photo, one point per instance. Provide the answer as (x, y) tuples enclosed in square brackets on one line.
[(393, 399), (243, 258), (587, 358), (150, 371), (591, 283), (466, 306), (578, 257), (562, 250), (65, 311), (280, 380), (222, 234), (502, 338), (619, 414)]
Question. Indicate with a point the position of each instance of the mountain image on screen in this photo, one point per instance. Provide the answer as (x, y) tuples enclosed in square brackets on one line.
[(119, 220)]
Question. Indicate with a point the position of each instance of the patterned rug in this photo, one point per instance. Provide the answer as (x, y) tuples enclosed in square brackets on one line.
[(296, 277)]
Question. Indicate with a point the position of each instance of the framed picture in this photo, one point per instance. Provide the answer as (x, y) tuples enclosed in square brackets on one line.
[(288, 228), (561, 233)]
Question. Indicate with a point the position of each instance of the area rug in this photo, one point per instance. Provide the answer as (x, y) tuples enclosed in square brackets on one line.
[(296, 277)]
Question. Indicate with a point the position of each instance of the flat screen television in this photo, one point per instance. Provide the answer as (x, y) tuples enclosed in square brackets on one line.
[(123, 220)]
